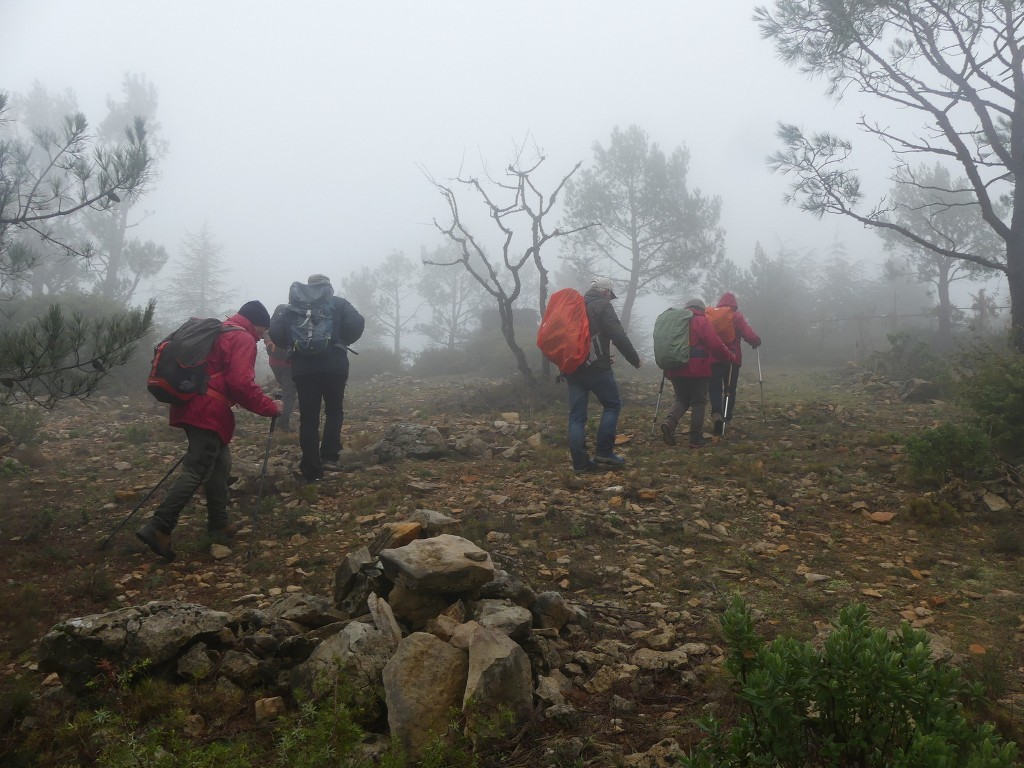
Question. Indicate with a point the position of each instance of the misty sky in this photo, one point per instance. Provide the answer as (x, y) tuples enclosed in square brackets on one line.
[(297, 130)]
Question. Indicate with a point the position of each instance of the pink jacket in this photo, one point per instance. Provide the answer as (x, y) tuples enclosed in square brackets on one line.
[(231, 366), (743, 329), (704, 345)]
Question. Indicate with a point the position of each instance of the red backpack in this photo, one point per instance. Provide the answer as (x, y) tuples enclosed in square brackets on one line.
[(564, 333), (721, 320)]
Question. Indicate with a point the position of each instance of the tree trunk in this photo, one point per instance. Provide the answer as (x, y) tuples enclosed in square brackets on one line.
[(945, 309), (508, 331), (631, 289), (545, 364), (115, 255), (1015, 279)]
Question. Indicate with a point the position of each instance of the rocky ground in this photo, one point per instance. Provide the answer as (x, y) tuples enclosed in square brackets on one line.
[(801, 509)]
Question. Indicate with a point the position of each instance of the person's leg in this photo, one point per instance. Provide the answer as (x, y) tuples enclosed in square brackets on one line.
[(579, 394), (698, 391), (284, 381), (334, 415), (716, 386), (309, 390), (730, 390), (216, 490), (204, 449), (605, 388), (680, 403)]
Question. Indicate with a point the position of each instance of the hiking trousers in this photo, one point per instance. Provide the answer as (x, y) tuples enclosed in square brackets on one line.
[(207, 463), (724, 378), (314, 389), (691, 394), (606, 390)]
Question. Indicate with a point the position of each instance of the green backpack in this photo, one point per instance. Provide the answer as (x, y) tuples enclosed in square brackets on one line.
[(672, 338)]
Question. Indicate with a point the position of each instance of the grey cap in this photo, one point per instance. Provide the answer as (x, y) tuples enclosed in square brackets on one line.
[(604, 283), (318, 280), (695, 303)]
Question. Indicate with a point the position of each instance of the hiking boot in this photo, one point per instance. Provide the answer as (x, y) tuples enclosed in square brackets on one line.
[(612, 460), (717, 425), (699, 442), (225, 534), (331, 465), (587, 468), (667, 435), (156, 540)]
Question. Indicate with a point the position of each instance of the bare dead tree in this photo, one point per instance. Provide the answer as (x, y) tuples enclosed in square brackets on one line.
[(501, 278)]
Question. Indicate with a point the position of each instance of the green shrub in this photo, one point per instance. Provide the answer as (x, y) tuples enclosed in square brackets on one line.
[(867, 698), (990, 381), (950, 450), (908, 358), (23, 423)]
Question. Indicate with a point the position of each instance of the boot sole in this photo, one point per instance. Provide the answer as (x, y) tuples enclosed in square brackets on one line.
[(667, 436)]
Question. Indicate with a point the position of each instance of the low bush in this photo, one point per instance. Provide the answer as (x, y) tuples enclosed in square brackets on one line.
[(908, 357), (934, 455), (867, 698), (990, 381), (23, 423)]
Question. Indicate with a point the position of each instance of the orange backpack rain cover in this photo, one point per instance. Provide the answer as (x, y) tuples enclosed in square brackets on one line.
[(564, 333), (721, 320)]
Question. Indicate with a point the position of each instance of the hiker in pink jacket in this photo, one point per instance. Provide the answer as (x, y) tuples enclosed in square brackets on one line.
[(725, 376), (690, 382)]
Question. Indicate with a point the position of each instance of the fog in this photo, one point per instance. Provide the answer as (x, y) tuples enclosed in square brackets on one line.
[(300, 132)]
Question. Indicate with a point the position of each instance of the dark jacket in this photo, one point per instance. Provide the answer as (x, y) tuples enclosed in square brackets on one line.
[(704, 346), (348, 327), (231, 367), (605, 329)]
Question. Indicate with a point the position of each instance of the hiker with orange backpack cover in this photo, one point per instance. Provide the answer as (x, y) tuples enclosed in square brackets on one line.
[(725, 376), (690, 382), (596, 376)]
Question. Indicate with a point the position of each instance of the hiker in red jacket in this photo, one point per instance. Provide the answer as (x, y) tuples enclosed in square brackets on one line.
[(209, 425), (690, 382), (725, 376)]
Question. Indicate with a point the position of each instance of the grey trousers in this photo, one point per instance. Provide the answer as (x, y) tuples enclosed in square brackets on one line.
[(691, 394)]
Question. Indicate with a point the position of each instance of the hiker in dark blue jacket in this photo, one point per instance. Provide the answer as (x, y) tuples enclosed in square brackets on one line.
[(321, 378), (596, 376)]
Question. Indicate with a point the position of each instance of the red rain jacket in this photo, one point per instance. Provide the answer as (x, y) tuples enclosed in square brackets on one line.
[(231, 366)]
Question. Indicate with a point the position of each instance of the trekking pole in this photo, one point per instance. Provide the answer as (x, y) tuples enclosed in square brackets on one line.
[(760, 383), (259, 491), (106, 541), (725, 401), (658, 406)]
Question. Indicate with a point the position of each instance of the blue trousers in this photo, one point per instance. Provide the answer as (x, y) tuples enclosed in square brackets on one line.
[(602, 384)]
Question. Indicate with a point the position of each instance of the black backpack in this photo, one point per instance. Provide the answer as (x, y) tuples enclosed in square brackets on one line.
[(178, 372), (310, 318)]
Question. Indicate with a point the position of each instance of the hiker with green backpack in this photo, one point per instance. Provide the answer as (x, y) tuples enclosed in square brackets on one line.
[(690, 378)]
